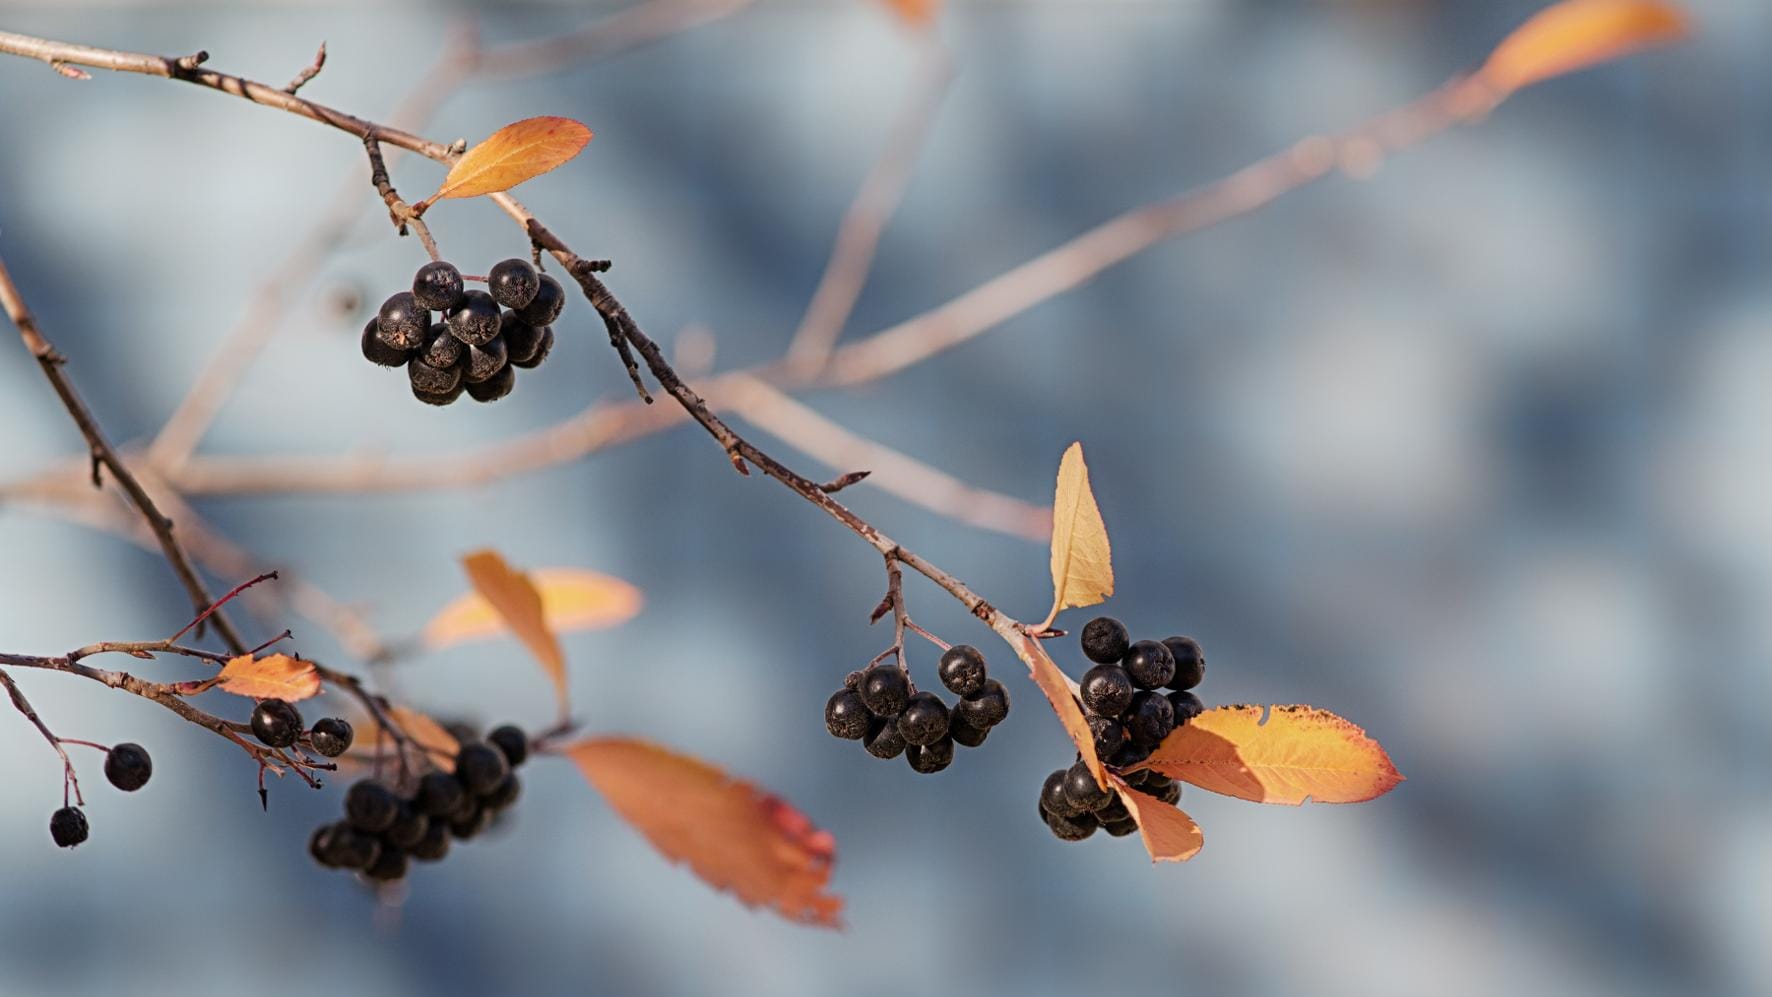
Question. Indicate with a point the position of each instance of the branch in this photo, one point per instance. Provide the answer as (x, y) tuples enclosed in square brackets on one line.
[(399, 212), (313, 69), (23, 705)]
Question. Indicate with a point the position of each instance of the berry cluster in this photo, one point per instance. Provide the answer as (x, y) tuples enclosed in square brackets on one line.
[(128, 767), (383, 830), (472, 347), (879, 707), (1134, 696)]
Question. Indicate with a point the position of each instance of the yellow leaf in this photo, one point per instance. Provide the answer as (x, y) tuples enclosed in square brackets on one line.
[(276, 677), (1576, 34), (733, 835), (1300, 753), (1169, 834), (1082, 563), (571, 599), (915, 12), (1059, 694), (513, 154), (516, 600)]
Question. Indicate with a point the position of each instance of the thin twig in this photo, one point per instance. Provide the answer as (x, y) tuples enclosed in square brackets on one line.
[(403, 215), (312, 70), (23, 705)]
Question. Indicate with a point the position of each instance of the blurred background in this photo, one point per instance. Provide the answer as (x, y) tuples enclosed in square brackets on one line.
[(1472, 452)]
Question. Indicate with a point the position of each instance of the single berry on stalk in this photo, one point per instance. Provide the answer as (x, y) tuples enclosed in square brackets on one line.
[(1150, 664), (512, 741), (474, 320), (521, 338), (1190, 662), (1105, 640), (962, 670), (68, 827), (371, 807), (885, 689), (545, 307), (480, 767), (402, 323), (276, 723), (493, 388), (986, 708), (924, 720), (1053, 799), (377, 352), (1081, 790), (513, 283), (332, 736), (128, 767), (845, 716), (437, 286), (543, 346), (439, 794), (1107, 690), (928, 759), (883, 739), (1186, 706), (1149, 719)]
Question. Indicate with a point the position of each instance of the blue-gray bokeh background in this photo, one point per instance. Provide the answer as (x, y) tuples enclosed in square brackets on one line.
[(1473, 452)]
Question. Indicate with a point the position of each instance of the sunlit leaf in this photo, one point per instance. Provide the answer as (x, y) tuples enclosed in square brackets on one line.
[(1169, 834), (513, 154), (1577, 34), (733, 835), (278, 676), (517, 601), (915, 12), (571, 599), (1299, 753), (1059, 693), (1082, 563)]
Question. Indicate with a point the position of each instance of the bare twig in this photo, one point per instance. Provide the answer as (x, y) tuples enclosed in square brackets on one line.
[(307, 74), (23, 705), (403, 215)]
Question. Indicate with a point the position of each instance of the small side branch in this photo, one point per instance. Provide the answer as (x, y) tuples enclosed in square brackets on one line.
[(23, 705), (403, 215), (313, 69)]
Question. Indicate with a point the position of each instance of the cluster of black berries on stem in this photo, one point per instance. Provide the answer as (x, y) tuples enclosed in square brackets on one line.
[(128, 768), (881, 708), (472, 347), (1135, 695), (386, 827)]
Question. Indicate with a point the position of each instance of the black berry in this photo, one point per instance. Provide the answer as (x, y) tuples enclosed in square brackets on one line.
[(924, 720), (1108, 733), (1186, 706), (929, 759), (433, 381), (439, 794), (320, 846), (962, 670), (1149, 719), (480, 767), (513, 742), (402, 323), (1053, 799), (348, 848), (474, 320), (1120, 828), (885, 689), (845, 716), (485, 360), (471, 821), (331, 736), (1150, 664), (1190, 662), (964, 734), (434, 845), (985, 708), (883, 739), (1071, 828), (1105, 640), (442, 351), (437, 286), (409, 827), (505, 794), (545, 307), (1081, 790), (1163, 788), (513, 282), (371, 806), (128, 767), (1107, 690), (493, 388), (377, 352), (1128, 754), (521, 338), (543, 346), (276, 723), (1113, 810), (390, 865), (441, 398), (68, 827)]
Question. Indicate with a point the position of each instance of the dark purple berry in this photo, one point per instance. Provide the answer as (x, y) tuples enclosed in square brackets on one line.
[(442, 350), (377, 352), (513, 282), (348, 848), (1053, 799), (332, 736), (470, 821), (1128, 754), (1149, 719), (545, 307), (439, 794), (1105, 640), (1190, 662), (443, 398), (1081, 790), (402, 323), (962, 670), (433, 381), (513, 742), (128, 767), (1163, 788), (883, 739), (986, 708), (434, 845), (390, 865), (521, 338), (1113, 810), (924, 720), (320, 846), (474, 320), (963, 733), (276, 723), (493, 388), (371, 807), (68, 827), (929, 759), (1107, 690), (845, 716), (1108, 733), (852, 680), (437, 286), (543, 347), (1071, 828), (1150, 664), (480, 767), (1186, 706), (503, 795), (1120, 828), (409, 827), (885, 689), (483, 361)]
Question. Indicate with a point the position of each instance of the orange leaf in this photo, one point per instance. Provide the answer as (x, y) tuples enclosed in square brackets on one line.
[(571, 599), (276, 677), (1299, 753), (517, 601), (1082, 561), (1169, 834), (1576, 34), (1059, 693), (733, 835), (428, 734), (513, 154), (915, 12)]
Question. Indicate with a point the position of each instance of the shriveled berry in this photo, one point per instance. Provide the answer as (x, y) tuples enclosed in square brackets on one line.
[(1108, 733), (349, 848), (390, 865), (931, 758), (1107, 690), (1150, 664), (439, 794), (924, 720), (276, 723), (1105, 640), (128, 767), (332, 736), (68, 827), (845, 716), (402, 323), (409, 827), (442, 350), (434, 381), (1081, 790), (377, 352), (962, 670), (437, 286), (483, 361), (1053, 799), (434, 845), (885, 689), (480, 767), (371, 806), (986, 708), (504, 794), (1190, 662), (512, 741), (474, 320), (883, 739), (1120, 828), (545, 307), (493, 388), (513, 282), (521, 338), (1072, 828), (543, 346), (963, 733), (1149, 719), (1186, 706)]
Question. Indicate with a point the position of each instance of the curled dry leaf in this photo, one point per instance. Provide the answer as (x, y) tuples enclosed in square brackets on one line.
[(1060, 693), (515, 153), (1169, 834), (733, 835), (571, 599), (519, 603), (1299, 753), (277, 676), (1577, 34), (1082, 562)]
